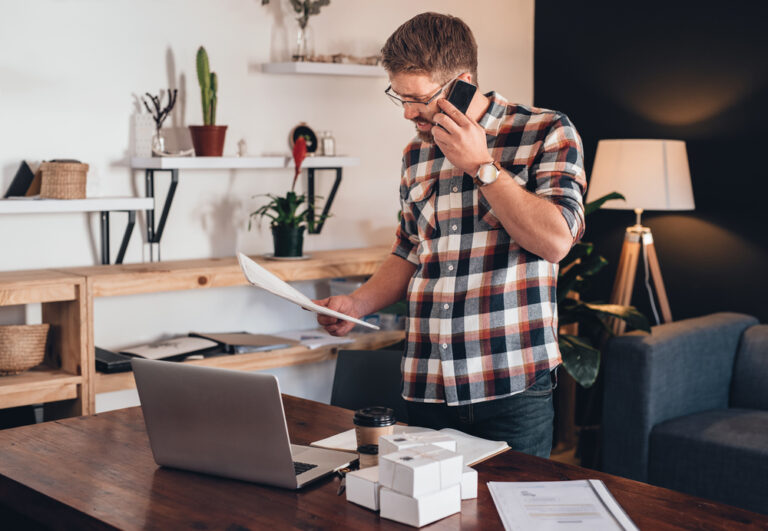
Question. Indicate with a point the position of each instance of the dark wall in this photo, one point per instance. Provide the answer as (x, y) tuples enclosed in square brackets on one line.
[(678, 70)]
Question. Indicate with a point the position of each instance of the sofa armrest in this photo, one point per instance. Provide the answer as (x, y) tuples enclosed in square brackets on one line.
[(679, 368)]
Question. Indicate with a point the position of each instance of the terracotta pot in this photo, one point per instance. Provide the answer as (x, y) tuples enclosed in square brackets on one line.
[(208, 140), (289, 241)]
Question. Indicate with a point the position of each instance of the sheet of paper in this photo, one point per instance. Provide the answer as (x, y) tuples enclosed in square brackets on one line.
[(261, 278), (584, 505), (313, 339)]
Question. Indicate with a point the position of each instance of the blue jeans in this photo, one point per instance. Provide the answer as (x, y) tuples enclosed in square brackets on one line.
[(524, 420)]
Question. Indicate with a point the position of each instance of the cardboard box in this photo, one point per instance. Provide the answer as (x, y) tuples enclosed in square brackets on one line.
[(389, 444), (422, 510), (363, 487), (420, 470), (468, 483)]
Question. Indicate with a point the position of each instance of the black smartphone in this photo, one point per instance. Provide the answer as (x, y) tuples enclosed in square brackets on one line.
[(461, 94)]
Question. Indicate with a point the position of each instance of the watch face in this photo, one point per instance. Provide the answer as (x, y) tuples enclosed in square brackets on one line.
[(487, 174)]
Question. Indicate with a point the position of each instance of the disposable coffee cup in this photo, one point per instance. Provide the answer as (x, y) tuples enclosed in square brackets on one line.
[(373, 422), (369, 455)]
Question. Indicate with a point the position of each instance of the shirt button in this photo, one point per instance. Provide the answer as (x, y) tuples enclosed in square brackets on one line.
[(455, 188), (454, 227), (445, 345), (450, 268), (446, 306)]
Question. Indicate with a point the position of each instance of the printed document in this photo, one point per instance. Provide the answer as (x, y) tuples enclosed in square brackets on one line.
[(261, 278), (550, 505)]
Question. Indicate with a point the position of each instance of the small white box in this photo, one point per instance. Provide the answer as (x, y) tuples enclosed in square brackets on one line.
[(396, 442), (468, 483), (420, 470), (423, 510), (363, 487)]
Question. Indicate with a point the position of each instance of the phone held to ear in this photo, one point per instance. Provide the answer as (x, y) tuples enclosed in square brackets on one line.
[(461, 95)]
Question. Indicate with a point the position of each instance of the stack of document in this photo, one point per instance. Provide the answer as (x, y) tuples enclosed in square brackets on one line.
[(584, 505)]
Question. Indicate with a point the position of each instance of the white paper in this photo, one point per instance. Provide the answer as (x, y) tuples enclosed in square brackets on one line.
[(313, 339), (550, 505), (261, 278)]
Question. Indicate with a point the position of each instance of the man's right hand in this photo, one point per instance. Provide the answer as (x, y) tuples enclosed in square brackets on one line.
[(340, 303)]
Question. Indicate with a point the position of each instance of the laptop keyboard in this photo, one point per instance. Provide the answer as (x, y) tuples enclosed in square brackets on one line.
[(300, 468)]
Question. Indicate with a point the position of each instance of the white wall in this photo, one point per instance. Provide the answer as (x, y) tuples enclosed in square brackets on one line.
[(68, 73)]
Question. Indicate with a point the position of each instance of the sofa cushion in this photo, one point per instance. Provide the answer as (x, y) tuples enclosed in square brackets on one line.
[(719, 454), (750, 370)]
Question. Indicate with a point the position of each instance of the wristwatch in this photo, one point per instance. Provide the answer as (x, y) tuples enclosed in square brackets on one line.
[(488, 173)]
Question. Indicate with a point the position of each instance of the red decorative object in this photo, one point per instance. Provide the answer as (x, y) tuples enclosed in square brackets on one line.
[(299, 154)]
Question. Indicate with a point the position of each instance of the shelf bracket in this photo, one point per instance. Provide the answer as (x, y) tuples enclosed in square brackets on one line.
[(155, 234), (105, 236), (315, 229)]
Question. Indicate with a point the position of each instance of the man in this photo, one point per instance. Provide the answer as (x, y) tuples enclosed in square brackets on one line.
[(491, 202)]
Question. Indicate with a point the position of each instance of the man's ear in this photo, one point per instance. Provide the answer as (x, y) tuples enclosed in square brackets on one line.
[(466, 76)]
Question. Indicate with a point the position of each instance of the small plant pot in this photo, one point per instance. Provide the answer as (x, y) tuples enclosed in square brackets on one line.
[(208, 140), (289, 241)]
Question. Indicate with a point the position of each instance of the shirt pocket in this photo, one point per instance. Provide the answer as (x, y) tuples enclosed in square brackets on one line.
[(421, 200)]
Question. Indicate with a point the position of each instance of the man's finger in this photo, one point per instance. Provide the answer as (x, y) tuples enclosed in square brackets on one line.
[(440, 135), (446, 122), (449, 109)]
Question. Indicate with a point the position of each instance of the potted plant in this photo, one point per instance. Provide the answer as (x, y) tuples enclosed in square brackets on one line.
[(208, 138), (290, 215)]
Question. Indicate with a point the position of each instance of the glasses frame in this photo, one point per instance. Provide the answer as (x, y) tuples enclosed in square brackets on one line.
[(398, 101)]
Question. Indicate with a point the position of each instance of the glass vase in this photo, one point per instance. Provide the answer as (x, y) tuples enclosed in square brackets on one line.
[(304, 46)]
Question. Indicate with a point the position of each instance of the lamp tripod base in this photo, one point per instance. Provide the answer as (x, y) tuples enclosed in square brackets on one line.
[(636, 240)]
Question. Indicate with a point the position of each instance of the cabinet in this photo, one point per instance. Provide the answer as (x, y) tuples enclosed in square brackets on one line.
[(63, 381)]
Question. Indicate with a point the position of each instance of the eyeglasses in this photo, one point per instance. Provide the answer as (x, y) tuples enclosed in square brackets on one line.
[(395, 99)]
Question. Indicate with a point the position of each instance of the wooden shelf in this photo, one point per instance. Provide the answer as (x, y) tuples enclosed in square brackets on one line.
[(38, 385), (67, 297), (327, 69), (256, 361), (38, 285), (93, 204), (233, 163), (129, 279)]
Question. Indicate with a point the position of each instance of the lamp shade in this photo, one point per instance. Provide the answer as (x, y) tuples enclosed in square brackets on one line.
[(650, 174)]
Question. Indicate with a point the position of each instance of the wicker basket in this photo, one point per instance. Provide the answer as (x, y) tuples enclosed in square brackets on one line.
[(63, 180), (22, 347)]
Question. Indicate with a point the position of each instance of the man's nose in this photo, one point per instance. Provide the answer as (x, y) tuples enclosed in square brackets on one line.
[(410, 112)]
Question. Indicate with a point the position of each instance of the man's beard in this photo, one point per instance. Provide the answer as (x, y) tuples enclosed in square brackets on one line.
[(424, 136)]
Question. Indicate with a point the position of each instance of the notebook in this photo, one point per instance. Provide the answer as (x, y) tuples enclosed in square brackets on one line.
[(474, 449)]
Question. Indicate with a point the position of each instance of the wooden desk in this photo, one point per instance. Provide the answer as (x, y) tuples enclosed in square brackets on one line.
[(98, 472)]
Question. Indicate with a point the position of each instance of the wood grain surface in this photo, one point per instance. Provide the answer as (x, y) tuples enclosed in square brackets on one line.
[(98, 473)]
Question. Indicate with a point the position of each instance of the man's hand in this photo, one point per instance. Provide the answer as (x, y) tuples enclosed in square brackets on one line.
[(462, 141), (340, 303)]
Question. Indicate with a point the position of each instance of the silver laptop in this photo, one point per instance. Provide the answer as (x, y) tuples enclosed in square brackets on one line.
[(227, 423)]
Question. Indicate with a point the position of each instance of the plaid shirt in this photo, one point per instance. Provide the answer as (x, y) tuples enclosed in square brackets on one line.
[(482, 311)]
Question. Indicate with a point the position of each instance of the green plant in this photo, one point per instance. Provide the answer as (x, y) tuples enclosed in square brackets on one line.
[(209, 84), (305, 8), (581, 353), (290, 210)]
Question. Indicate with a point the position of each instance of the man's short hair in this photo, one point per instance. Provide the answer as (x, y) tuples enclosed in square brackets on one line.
[(430, 43)]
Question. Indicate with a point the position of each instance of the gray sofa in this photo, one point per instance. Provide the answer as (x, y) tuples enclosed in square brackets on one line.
[(686, 407)]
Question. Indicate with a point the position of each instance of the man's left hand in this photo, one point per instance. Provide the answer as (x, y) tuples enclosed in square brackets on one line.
[(462, 141)]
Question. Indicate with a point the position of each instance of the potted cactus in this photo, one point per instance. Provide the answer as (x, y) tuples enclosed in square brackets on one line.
[(208, 138)]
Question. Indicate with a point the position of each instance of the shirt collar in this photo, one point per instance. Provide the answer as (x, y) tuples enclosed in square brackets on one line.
[(491, 120)]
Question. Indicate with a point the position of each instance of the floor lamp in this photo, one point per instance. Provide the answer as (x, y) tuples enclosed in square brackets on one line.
[(651, 175)]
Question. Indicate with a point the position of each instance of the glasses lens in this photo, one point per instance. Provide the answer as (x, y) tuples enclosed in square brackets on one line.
[(394, 99)]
